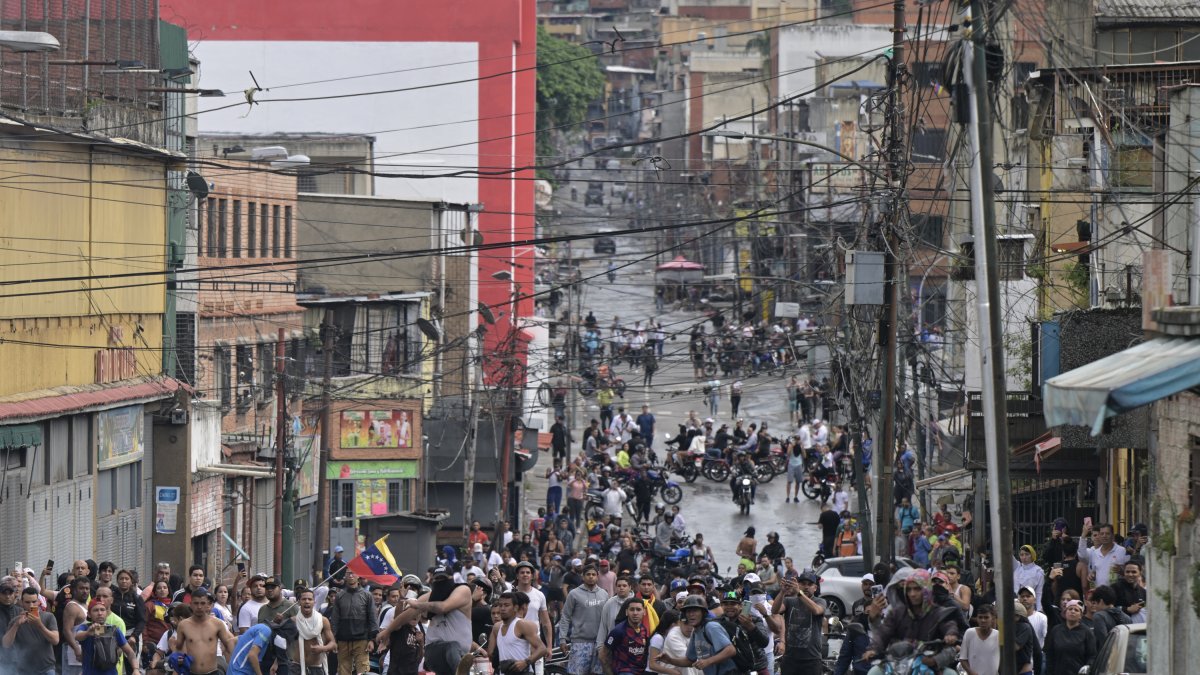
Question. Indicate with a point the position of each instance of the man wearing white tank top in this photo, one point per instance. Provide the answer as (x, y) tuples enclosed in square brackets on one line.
[(515, 642)]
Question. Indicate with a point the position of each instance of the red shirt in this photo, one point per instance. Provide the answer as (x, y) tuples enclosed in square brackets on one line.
[(478, 537)]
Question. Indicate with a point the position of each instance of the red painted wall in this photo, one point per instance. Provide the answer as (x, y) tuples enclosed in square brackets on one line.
[(506, 32)]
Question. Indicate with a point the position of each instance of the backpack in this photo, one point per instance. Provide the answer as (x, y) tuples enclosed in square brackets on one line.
[(104, 649), (743, 658)]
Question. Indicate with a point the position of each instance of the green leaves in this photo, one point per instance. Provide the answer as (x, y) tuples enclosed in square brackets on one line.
[(568, 80)]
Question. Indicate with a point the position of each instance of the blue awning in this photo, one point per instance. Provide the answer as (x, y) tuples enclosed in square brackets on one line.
[(1122, 382)]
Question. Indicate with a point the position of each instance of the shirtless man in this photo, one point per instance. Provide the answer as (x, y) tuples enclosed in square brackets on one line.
[(198, 635), (74, 615), (316, 636)]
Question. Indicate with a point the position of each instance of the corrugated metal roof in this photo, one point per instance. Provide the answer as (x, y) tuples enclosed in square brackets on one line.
[(1148, 9), (40, 405)]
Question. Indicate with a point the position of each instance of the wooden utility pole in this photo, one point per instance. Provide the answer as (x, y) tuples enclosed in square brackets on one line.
[(991, 328), (895, 163), (280, 448), (321, 550)]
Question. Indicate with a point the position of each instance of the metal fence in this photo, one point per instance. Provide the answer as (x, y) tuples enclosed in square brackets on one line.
[(114, 35)]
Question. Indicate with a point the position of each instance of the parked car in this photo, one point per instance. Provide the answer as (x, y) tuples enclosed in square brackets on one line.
[(595, 194), (612, 165), (1124, 651), (605, 245), (617, 188), (841, 581)]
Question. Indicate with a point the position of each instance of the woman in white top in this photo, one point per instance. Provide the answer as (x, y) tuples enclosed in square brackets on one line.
[(222, 597)]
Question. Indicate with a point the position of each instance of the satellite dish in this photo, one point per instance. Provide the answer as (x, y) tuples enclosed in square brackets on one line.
[(486, 313), (197, 185), (429, 329)]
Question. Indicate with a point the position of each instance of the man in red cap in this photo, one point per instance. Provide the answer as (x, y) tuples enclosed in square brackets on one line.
[(88, 635)]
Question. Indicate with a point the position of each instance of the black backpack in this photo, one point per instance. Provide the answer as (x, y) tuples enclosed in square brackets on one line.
[(104, 649), (743, 658)]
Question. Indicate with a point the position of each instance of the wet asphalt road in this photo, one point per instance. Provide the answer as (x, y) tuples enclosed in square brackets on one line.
[(706, 506)]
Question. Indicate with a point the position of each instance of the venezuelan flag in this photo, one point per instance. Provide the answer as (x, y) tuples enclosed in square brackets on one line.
[(376, 564)]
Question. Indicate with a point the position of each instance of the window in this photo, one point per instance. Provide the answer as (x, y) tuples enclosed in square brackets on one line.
[(14, 458), (237, 228), (245, 364), (263, 229), (343, 504), (376, 338), (252, 230), (1021, 71), (929, 145), (1020, 111), (1011, 252), (275, 241), (928, 229), (288, 252), (1193, 492), (222, 233), (210, 228), (397, 496), (220, 378), (266, 370), (306, 182)]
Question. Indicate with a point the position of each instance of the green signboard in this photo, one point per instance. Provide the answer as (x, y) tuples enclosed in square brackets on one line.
[(369, 470)]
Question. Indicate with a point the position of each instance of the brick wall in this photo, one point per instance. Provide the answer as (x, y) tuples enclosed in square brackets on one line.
[(207, 504)]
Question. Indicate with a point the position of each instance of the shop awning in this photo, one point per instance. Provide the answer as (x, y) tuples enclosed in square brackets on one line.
[(1122, 382)]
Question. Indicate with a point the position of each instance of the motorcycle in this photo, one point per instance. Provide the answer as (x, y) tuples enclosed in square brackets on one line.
[(590, 380), (745, 484), (818, 488), (715, 468), (669, 490), (476, 662), (906, 658)]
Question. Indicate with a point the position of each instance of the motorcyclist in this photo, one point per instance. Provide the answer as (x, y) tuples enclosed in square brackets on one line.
[(743, 467), (912, 616), (612, 272)]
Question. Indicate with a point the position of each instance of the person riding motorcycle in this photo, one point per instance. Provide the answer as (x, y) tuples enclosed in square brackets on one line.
[(914, 617), (744, 466)]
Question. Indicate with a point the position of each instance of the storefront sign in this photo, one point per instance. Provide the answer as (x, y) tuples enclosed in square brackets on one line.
[(376, 429), (166, 509), (395, 470), (308, 449), (119, 436)]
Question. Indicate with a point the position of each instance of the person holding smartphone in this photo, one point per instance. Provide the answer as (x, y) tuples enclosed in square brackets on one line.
[(31, 635), (746, 631), (803, 613)]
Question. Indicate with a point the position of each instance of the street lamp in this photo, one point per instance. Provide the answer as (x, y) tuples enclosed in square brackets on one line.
[(28, 41)]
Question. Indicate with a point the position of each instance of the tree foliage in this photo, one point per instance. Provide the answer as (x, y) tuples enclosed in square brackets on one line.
[(568, 80)]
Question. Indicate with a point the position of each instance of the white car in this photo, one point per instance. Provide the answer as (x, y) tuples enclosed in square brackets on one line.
[(841, 582), (1123, 651)]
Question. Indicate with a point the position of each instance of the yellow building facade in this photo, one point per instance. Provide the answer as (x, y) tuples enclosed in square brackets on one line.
[(82, 251)]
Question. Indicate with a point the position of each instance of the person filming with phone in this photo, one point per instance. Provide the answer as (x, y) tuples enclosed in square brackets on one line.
[(747, 631), (32, 634), (803, 613)]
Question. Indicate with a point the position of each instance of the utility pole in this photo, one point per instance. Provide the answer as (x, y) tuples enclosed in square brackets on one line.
[(991, 337), (280, 465), (860, 485), (895, 160), (472, 442), (321, 550)]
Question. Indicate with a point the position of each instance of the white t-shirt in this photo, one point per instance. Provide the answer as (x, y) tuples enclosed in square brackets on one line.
[(676, 646), (841, 501), (248, 614), (537, 602), (1104, 566), (613, 499), (983, 655), (1039, 623)]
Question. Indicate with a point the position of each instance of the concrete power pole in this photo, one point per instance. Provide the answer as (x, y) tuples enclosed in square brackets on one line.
[(472, 442), (887, 435), (991, 329)]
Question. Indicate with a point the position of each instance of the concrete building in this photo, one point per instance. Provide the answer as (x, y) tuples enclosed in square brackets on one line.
[(339, 164), (83, 398), (248, 218), (440, 87)]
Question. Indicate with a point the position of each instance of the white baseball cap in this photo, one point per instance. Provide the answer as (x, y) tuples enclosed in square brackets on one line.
[(752, 578)]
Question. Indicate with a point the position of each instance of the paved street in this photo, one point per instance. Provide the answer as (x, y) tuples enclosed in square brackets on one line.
[(706, 505)]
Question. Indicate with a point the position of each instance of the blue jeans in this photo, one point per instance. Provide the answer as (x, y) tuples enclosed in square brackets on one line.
[(553, 499)]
